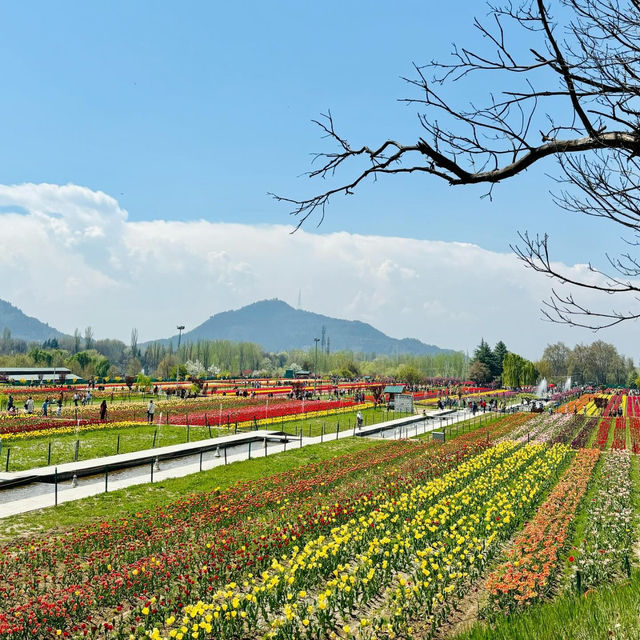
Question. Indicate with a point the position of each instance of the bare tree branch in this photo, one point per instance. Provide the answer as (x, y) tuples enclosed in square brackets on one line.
[(572, 93)]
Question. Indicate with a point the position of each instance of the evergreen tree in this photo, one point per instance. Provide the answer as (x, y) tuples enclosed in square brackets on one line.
[(499, 352), (484, 355)]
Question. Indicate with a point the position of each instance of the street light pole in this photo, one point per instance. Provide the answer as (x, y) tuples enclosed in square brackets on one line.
[(180, 328), (315, 367)]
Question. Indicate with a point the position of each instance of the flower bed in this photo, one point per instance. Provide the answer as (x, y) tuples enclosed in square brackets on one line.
[(410, 549), (526, 575), (620, 434), (266, 412), (102, 578), (614, 403), (633, 406), (567, 429), (606, 547), (634, 431), (603, 433), (584, 435)]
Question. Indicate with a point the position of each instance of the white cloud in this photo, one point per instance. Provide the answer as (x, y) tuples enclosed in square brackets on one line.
[(74, 259)]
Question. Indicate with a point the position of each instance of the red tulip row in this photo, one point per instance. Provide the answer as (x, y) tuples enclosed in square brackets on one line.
[(268, 410), (603, 434), (620, 434), (633, 406), (612, 405), (634, 430)]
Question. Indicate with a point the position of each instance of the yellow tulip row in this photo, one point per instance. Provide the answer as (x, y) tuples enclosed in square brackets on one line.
[(442, 528), (450, 564), (591, 408)]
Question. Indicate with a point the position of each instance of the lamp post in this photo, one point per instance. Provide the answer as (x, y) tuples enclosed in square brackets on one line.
[(180, 328), (315, 366)]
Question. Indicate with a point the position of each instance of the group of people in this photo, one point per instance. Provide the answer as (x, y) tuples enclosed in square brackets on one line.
[(48, 403), (84, 399)]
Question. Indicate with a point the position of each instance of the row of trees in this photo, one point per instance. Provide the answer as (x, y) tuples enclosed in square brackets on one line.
[(88, 357), (598, 363)]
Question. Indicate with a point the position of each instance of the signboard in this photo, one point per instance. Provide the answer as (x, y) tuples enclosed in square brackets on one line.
[(438, 436), (403, 402)]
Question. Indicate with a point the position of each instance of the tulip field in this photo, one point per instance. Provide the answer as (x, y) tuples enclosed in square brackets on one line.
[(397, 539)]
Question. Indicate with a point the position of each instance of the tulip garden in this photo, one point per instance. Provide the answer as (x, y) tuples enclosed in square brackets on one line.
[(393, 540)]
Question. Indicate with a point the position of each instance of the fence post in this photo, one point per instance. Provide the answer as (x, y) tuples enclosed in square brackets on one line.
[(55, 486), (225, 455), (322, 433), (118, 445), (6, 467), (152, 471), (155, 435), (337, 429), (49, 454), (75, 457), (200, 459), (249, 458), (106, 479), (188, 433), (265, 446)]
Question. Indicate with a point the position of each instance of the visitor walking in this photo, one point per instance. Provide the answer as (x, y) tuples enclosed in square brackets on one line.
[(59, 409), (10, 403), (151, 409), (75, 398), (359, 419), (103, 410), (45, 407), (29, 405)]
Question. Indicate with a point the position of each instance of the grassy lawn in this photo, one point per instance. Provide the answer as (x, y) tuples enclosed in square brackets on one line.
[(28, 453), (609, 612), (149, 496)]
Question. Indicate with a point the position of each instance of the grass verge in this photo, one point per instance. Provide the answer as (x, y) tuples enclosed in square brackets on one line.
[(33, 452), (610, 612), (147, 496)]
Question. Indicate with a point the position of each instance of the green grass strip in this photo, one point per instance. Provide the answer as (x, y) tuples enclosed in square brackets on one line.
[(610, 612)]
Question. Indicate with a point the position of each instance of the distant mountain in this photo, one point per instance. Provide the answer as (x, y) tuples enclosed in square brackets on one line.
[(24, 327), (276, 326)]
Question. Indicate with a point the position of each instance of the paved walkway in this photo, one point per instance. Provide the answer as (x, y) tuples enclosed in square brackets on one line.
[(161, 463)]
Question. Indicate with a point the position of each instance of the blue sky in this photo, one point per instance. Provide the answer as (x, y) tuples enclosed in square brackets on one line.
[(195, 110), (198, 109)]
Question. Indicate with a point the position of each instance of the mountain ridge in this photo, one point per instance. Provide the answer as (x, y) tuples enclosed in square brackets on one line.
[(24, 327), (276, 326)]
